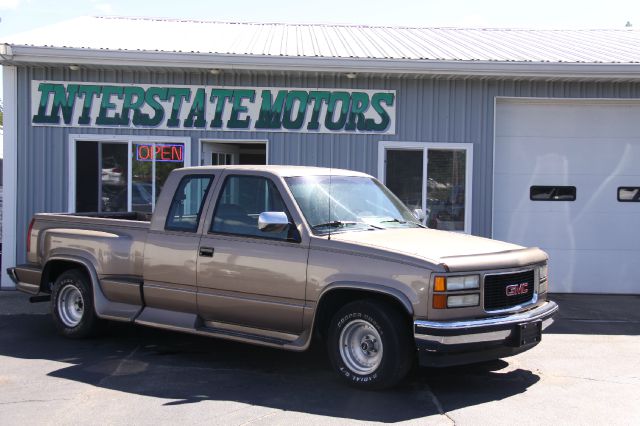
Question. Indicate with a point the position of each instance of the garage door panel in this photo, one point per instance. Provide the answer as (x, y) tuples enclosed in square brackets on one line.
[(594, 241), (570, 155), (579, 120), (597, 193), (550, 230), (592, 272)]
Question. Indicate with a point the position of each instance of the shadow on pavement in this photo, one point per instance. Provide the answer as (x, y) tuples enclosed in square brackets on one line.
[(605, 314), (187, 369)]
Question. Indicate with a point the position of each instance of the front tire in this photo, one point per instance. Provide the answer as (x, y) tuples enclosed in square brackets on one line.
[(369, 344), (72, 305)]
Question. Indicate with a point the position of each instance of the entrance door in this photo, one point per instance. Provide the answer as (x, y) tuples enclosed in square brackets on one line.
[(219, 154), (567, 179), (435, 178)]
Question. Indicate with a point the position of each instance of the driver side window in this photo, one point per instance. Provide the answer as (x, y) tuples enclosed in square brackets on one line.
[(240, 203)]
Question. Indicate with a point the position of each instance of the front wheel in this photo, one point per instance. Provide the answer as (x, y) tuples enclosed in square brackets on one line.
[(370, 344), (72, 305)]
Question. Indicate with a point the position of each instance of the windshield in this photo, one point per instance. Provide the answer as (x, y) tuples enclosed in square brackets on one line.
[(340, 203)]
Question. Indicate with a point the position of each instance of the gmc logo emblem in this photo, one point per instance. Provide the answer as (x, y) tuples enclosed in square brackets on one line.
[(516, 289)]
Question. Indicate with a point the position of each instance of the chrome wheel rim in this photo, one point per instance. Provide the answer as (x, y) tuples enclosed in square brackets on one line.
[(361, 347), (70, 305)]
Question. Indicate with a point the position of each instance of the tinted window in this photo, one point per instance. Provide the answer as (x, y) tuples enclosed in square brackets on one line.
[(186, 206), (629, 194), (242, 200), (552, 193)]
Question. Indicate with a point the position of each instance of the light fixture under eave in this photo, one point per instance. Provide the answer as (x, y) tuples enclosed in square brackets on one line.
[(215, 71), (351, 75), (74, 67)]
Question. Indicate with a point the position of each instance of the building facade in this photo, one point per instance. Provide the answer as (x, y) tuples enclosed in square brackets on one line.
[(537, 153)]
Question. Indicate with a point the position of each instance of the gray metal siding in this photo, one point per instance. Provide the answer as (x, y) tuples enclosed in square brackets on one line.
[(428, 110)]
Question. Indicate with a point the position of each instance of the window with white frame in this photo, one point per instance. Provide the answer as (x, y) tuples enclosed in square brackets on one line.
[(434, 178), (122, 175)]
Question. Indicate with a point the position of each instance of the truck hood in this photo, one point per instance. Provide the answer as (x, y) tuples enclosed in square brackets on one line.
[(455, 251)]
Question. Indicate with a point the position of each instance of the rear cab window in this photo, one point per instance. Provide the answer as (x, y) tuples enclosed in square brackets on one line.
[(186, 205)]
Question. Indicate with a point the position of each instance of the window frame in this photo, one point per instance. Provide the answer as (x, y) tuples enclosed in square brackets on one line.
[(575, 193), (627, 188), (201, 209), (467, 147), (128, 139), (293, 227)]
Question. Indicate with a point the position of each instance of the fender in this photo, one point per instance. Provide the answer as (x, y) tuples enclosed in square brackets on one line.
[(377, 288), (104, 307)]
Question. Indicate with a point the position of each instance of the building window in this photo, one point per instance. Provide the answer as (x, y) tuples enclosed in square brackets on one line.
[(125, 175), (432, 179), (552, 193)]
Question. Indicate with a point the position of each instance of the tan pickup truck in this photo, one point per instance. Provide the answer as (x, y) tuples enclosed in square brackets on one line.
[(277, 255)]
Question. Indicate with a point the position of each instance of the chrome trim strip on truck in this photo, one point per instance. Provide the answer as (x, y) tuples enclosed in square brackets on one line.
[(481, 330)]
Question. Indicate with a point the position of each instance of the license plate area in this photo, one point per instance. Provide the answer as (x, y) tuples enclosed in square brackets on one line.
[(527, 334)]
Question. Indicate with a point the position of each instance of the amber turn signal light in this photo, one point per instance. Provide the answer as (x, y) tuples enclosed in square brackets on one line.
[(440, 284), (439, 301)]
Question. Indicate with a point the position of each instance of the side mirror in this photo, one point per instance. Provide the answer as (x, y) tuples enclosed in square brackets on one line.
[(273, 222), (419, 214)]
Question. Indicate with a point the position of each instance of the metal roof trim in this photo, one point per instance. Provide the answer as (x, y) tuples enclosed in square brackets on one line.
[(20, 54)]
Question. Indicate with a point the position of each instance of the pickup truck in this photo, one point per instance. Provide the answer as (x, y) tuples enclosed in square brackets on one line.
[(282, 255)]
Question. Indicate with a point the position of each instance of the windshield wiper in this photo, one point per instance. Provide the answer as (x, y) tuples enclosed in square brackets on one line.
[(393, 220), (343, 223)]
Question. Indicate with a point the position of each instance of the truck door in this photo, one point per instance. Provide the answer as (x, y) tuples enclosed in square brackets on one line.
[(172, 245), (248, 277)]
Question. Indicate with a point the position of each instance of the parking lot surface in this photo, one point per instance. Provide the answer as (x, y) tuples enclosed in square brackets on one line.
[(585, 371)]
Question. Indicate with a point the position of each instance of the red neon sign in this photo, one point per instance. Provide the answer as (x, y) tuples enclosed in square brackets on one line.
[(162, 153)]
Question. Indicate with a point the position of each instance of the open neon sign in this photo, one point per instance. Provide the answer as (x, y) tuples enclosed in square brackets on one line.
[(161, 153)]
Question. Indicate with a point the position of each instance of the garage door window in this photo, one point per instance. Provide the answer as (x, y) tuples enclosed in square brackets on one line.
[(629, 194), (552, 193)]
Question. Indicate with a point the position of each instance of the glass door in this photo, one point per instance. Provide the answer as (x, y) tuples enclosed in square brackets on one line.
[(434, 179)]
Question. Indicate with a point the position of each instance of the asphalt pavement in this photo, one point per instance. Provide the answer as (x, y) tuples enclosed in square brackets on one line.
[(585, 371)]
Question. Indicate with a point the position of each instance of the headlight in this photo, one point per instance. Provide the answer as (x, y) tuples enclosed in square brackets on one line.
[(467, 282), (463, 300), (543, 287), (544, 270)]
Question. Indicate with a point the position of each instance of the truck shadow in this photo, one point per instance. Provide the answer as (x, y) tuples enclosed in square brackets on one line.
[(186, 369)]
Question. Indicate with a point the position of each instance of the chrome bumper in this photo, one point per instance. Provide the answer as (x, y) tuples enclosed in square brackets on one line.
[(439, 335)]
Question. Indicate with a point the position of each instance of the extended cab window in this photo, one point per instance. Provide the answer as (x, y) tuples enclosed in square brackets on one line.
[(241, 201), (186, 206)]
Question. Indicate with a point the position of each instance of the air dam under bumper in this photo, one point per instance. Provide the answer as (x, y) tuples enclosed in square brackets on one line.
[(445, 343)]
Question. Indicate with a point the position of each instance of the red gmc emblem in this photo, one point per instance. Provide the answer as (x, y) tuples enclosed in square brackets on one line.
[(515, 289)]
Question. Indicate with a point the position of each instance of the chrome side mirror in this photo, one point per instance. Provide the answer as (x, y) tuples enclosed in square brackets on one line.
[(419, 214), (273, 222)]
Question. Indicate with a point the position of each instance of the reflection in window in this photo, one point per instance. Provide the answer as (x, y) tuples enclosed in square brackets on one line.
[(552, 193), (113, 180), (629, 194), (404, 176), (446, 188)]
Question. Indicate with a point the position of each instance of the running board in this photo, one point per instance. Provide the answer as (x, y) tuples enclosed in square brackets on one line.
[(192, 323)]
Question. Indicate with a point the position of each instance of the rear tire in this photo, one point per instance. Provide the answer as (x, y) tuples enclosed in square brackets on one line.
[(72, 305), (370, 345)]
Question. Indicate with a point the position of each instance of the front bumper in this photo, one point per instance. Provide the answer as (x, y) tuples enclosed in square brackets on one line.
[(444, 343)]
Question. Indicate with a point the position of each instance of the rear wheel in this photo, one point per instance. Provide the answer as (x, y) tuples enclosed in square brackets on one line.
[(72, 305), (370, 345)]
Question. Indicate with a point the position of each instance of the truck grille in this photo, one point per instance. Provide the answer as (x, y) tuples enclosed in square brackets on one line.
[(498, 296)]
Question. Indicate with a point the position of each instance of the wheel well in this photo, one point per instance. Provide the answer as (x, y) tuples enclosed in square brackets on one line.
[(332, 301), (54, 269)]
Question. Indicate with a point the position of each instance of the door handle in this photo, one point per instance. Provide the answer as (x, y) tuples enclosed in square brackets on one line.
[(206, 251)]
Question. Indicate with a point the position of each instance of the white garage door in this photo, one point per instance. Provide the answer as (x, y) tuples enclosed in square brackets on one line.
[(551, 151)]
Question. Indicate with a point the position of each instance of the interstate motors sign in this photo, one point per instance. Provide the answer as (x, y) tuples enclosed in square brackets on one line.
[(172, 107)]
